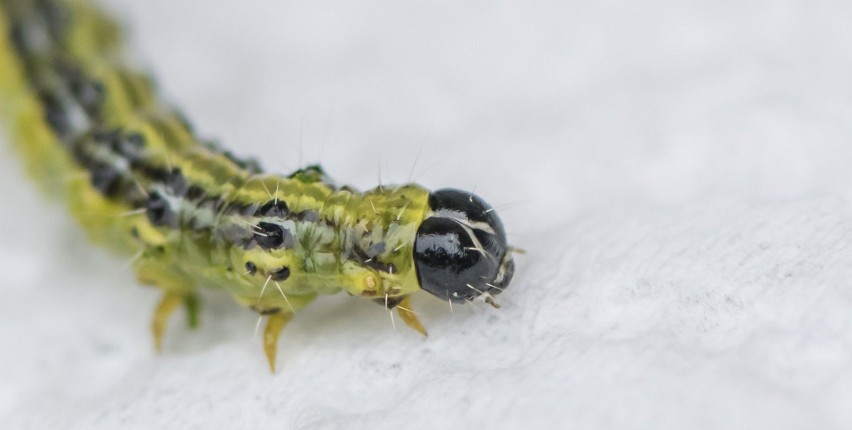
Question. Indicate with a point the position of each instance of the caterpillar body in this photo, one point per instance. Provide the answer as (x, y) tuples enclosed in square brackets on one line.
[(134, 174)]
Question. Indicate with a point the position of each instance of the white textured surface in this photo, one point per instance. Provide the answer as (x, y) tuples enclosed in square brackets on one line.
[(679, 173)]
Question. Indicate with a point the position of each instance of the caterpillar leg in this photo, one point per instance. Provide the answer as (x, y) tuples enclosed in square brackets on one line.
[(164, 310), (409, 317), (279, 310), (274, 324), (152, 268), (167, 306)]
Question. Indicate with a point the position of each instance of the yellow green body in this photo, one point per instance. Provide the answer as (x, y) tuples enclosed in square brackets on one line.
[(331, 227)]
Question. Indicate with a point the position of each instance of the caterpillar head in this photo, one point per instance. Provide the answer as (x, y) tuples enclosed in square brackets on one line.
[(460, 251)]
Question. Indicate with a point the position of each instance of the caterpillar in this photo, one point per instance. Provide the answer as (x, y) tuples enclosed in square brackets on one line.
[(134, 174)]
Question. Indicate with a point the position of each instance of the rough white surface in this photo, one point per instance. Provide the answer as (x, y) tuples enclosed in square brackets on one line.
[(678, 172)]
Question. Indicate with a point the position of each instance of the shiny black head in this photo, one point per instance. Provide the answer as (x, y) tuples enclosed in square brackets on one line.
[(460, 251)]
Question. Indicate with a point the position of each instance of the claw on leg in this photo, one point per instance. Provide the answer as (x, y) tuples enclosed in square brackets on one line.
[(410, 318), (167, 306), (271, 333)]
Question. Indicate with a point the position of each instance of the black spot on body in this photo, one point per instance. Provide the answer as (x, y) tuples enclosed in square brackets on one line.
[(90, 94), (309, 216), (135, 140), (273, 208), (131, 147), (273, 236), (55, 16), (55, 113), (154, 173), (159, 212), (381, 267), (106, 179), (251, 269), (128, 146), (194, 192), (281, 274), (177, 182), (369, 259)]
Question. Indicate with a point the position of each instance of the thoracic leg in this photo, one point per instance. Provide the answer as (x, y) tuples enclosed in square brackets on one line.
[(280, 310), (168, 304), (152, 268), (408, 315)]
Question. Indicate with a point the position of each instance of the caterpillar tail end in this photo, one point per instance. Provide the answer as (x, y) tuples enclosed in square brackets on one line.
[(274, 324), (409, 317)]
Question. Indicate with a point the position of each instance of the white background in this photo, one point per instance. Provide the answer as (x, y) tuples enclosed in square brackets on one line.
[(679, 173)]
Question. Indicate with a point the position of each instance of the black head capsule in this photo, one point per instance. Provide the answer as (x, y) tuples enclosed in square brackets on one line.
[(460, 251)]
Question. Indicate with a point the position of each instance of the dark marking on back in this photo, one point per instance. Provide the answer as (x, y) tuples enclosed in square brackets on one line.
[(90, 94), (154, 173), (195, 193), (159, 212), (55, 113), (177, 182), (130, 146), (372, 262), (273, 208), (273, 236), (106, 179), (55, 16), (309, 216)]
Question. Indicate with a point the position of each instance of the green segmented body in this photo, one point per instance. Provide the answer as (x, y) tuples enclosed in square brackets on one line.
[(132, 146), (141, 182)]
